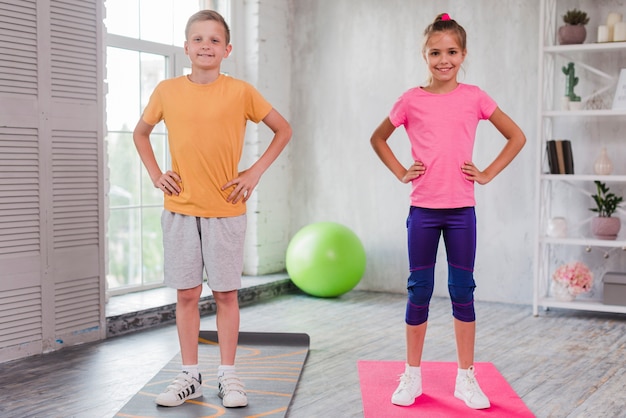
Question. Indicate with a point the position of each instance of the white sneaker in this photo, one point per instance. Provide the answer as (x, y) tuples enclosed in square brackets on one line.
[(410, 387), (468, 390), (184, 387), (231, 390)]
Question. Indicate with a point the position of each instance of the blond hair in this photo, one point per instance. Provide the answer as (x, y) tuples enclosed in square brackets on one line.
[(203, 15)]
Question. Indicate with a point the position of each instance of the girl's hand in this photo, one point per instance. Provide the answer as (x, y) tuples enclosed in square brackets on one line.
[(416, 170), (474, 174), (169, 183)]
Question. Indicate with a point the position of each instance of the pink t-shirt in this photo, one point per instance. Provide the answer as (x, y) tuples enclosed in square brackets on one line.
[(442, 129)]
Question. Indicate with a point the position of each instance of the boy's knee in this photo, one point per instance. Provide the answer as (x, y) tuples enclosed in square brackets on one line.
[(189, 296), (229, 297)]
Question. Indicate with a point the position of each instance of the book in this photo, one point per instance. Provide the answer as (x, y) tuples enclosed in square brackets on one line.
[(553, 164), (560, 157), (568, 157)]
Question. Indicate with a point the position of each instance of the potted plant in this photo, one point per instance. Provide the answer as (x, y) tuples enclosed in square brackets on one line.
[(573, 32), (605, 226)]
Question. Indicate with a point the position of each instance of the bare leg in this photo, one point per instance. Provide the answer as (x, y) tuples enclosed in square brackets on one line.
[(465, 333), (188, 323), (227, 319), (415, 335)]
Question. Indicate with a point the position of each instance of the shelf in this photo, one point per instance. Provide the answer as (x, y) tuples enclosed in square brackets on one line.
[(591, 242), (591, 47), (582, 305), (598, 67), (583, 177), (585, 113)]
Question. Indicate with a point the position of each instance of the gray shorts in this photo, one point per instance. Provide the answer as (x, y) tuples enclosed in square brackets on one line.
[(192, 244)]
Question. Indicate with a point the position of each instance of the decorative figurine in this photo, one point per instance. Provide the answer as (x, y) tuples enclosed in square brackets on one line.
[(570, 82)]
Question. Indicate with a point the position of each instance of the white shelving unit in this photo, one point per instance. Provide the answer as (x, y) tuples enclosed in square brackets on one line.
[(597, 67)]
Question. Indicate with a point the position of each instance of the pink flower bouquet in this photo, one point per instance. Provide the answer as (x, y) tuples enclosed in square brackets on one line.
[(576, 276)]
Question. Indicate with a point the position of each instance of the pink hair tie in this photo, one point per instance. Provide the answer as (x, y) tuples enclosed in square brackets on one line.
[(445, 16)]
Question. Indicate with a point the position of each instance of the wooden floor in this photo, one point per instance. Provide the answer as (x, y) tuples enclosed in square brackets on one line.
[(562, 363)]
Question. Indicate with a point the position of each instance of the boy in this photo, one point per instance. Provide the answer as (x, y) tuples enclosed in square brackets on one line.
[(204, 218)]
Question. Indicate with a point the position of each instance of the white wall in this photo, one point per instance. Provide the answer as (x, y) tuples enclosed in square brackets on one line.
[(267, 66), (351, 59)]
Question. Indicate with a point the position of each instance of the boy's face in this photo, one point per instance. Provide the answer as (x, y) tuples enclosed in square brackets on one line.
[(206, 45)]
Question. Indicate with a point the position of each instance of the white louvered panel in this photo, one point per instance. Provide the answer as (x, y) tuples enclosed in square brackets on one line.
[(19, 188), (20, 316), (75, 189), (77, 305), (73, 50), (18, 47)]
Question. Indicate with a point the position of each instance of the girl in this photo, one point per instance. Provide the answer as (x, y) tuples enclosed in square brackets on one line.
[(440, 120)]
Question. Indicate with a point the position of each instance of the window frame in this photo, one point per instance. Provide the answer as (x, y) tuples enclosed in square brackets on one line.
[(177, 64)]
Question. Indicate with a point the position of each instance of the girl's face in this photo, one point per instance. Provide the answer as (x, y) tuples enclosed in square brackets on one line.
[(444, 56), (206, 46)]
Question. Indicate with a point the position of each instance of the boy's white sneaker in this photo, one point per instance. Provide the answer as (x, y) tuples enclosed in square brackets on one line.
[(184, 387), (410, 387), (231, 390), (468, 390)]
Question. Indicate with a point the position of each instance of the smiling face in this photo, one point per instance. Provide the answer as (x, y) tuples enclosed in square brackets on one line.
[(207, 45), (444, 55)]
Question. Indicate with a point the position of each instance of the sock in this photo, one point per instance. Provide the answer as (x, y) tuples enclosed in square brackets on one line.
[(192, 369), (461, 373), (414, 370), (223, 369)]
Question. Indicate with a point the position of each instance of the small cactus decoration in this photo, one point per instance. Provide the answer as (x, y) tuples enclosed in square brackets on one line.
[(570, 82)]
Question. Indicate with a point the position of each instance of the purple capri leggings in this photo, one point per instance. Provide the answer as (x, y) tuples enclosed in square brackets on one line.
[(424, 228)]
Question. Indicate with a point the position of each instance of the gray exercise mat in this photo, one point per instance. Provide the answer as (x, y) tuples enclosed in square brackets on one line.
[(269, 365)]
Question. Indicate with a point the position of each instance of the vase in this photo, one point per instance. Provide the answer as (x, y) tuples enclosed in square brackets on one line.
[(605, 227), (561, 293), (572, 34), (557, 227), (603, 165)]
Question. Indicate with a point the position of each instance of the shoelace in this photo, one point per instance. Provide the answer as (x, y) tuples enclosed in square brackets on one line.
[(406, 380), (471, 385)]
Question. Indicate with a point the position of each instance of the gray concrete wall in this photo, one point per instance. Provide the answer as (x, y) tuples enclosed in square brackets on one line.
[(350, 61)]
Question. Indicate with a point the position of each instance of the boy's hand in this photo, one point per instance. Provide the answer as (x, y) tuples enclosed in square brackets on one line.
[(244, 185), (168, 183)]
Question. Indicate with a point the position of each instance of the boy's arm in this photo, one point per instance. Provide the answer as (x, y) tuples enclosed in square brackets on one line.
[(167, 182), (248, 179)]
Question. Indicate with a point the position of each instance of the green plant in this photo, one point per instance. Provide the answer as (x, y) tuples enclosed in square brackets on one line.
[(575, 17), (606, 202)]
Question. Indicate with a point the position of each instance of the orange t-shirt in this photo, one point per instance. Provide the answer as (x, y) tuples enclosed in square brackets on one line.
[(206, 126)]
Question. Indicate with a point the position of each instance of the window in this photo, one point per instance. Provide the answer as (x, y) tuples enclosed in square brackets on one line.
[(144, 46)]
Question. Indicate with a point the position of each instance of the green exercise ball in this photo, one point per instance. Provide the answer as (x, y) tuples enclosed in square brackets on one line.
[(325, 259)]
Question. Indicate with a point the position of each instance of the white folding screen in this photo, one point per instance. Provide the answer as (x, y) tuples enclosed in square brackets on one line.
[(51, 182)]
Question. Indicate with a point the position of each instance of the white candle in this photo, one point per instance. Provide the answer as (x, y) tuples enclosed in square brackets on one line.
[(619, 32), (611, 20), (603, 33)]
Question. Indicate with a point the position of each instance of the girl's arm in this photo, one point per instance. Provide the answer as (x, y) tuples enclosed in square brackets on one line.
[(381, 147), (515, 141), (248, 179)]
